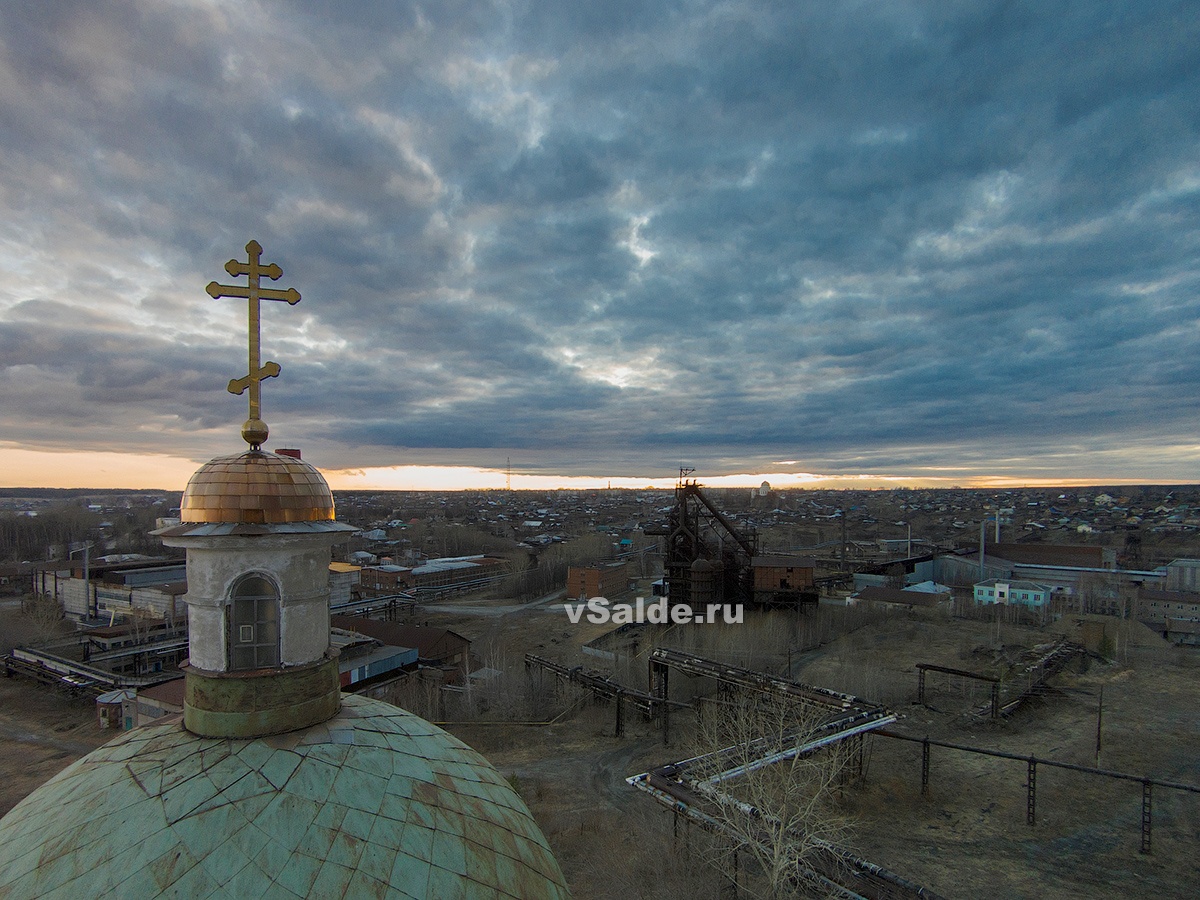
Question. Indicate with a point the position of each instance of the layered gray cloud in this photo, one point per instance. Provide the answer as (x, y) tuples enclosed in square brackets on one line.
[(897, 238)]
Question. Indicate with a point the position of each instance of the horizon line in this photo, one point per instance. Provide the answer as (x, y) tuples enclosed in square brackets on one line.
[(1010, 484)]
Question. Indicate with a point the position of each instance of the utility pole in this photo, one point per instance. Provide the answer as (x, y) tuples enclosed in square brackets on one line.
[(982, 540), (845, 564)]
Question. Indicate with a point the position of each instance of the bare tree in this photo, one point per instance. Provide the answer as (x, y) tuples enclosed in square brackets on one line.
[(45, 617), (774, 801)]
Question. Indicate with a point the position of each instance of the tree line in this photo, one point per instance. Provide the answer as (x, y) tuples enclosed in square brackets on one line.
[(48, 533)]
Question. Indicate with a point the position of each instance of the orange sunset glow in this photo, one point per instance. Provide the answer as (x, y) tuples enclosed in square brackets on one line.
[(102, 470)]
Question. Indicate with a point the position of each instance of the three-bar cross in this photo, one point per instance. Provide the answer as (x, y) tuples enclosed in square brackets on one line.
[(254, 431)]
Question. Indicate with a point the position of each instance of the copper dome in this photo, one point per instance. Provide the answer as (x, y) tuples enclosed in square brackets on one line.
[(256, 488)]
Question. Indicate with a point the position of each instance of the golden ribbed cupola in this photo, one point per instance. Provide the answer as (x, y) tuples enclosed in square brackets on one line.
[(257, 488)]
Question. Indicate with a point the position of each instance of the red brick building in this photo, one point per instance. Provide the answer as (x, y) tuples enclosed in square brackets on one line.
[(601, 580), (783, 578)]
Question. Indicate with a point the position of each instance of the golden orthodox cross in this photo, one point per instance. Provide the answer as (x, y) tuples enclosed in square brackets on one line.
[(254, 430)]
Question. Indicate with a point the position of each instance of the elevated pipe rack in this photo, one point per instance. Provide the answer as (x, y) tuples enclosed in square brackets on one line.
[(1032, 762), (603, 686), (840, 707), (835, 870), (922, 668)]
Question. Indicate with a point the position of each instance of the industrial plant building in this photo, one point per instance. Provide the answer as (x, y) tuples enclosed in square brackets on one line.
[(450, 573), (601, 580)]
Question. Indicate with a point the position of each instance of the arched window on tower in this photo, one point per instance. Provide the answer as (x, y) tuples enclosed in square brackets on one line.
[(254, 624)]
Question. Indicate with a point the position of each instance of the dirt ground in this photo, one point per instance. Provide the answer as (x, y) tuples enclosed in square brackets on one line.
[(42, 731), (967, 838)]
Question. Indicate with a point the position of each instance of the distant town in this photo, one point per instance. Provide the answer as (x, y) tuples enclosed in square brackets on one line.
[(1142, 525), (914, 613)]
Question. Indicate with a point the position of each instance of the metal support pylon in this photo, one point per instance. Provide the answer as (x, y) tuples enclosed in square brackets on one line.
[(925, 767), (1146, 815), (1031, 794)]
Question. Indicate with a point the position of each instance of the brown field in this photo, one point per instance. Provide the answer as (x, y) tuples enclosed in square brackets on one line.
[(968, 838)]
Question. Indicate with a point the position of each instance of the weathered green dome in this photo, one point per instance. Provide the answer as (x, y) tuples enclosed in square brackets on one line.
[(374, 802)]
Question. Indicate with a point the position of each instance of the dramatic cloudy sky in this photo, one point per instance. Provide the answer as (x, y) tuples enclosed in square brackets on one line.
[(935, 240)]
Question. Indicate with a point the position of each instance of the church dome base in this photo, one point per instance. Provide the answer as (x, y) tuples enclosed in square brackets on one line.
[(374, 802)]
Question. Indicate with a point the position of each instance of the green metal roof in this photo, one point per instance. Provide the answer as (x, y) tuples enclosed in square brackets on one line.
[(374, 802)]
